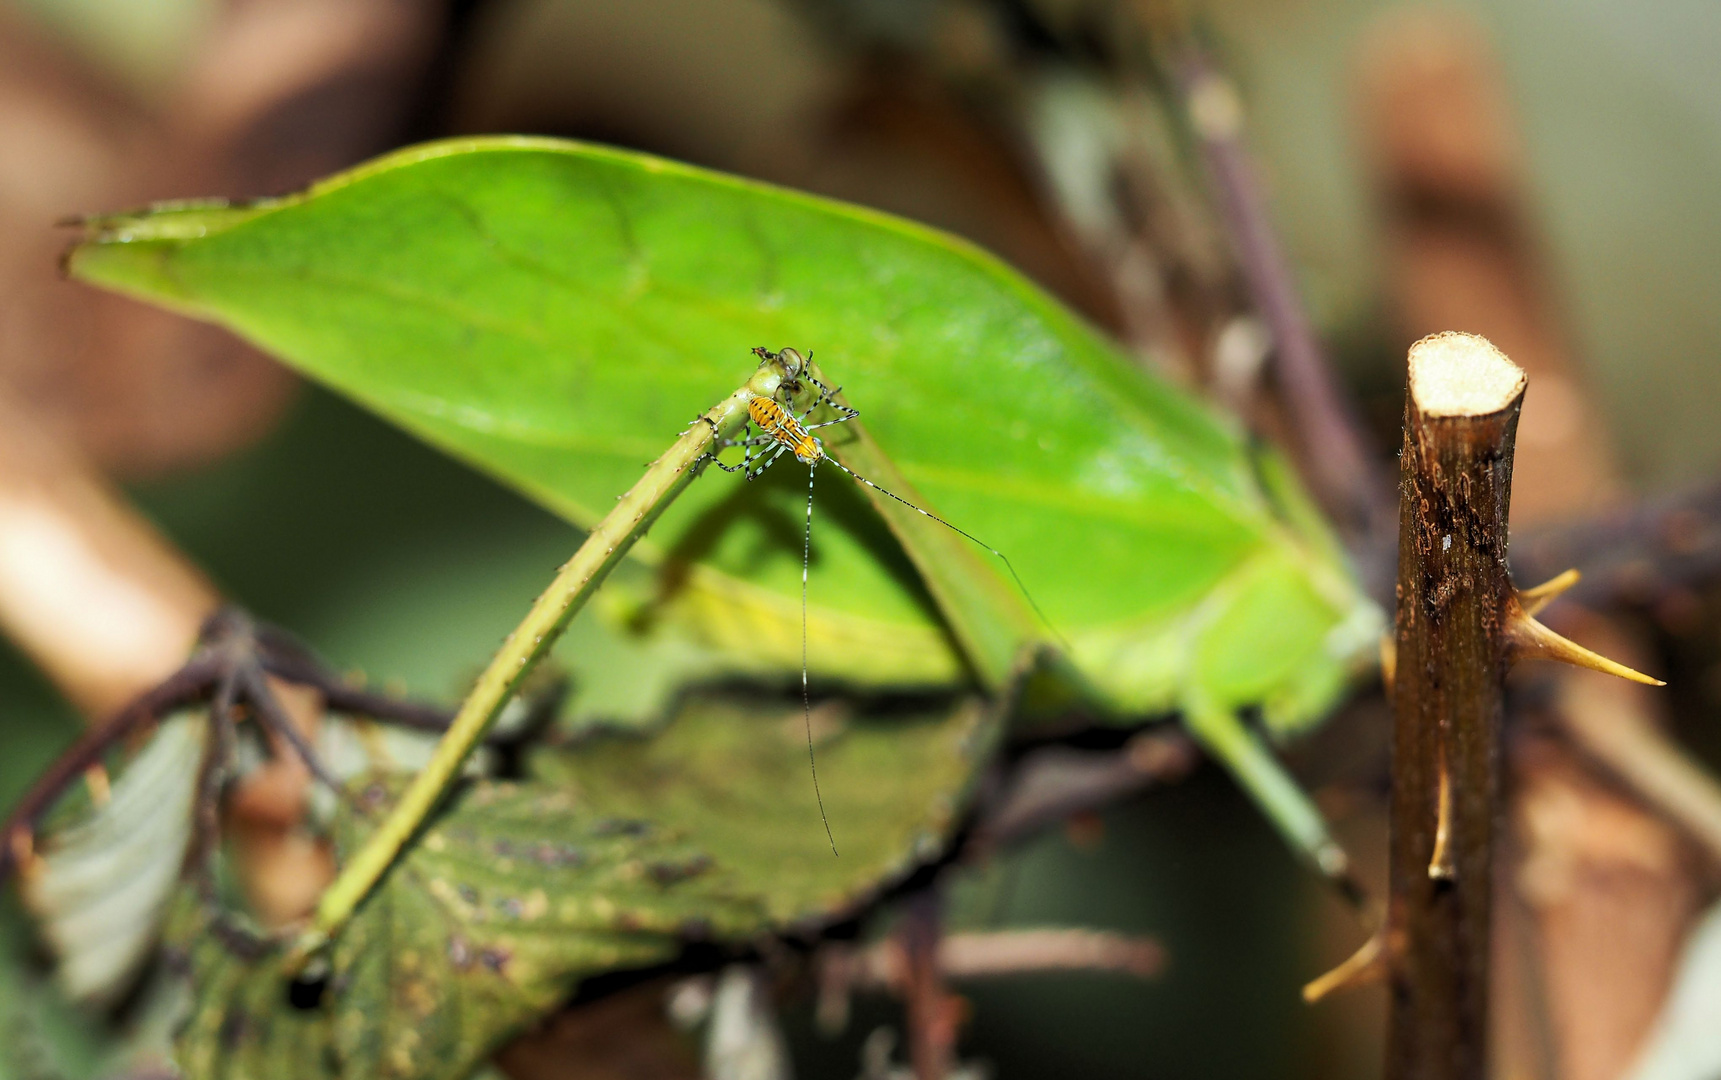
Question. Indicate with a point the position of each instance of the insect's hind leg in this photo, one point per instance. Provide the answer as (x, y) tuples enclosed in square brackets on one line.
[(827, 396), (747, 455), (847, 415), (769, 461)]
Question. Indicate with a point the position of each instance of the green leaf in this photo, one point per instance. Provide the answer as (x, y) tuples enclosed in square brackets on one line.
[(240, 1021), (555, 312), (736, 780), (43, 1037), (498, 913), (628, 847)]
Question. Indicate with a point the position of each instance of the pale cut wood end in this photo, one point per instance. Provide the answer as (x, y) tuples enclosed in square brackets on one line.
[(1457, 374)]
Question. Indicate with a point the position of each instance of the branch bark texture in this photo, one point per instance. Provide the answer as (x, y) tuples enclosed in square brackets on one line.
[(1455, 603)]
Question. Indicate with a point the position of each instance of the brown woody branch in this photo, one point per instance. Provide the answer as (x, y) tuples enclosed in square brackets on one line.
[(1455, 602), (1460, 625)]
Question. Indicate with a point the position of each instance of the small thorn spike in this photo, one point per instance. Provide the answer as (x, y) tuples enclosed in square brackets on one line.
[(1535, 599), (1440, 864), (97, 782), (1530, 639), (24, 857), (1366, 966)]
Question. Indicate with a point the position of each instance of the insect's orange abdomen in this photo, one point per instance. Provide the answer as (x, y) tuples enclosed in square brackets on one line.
[(779, 423), (766, 413)]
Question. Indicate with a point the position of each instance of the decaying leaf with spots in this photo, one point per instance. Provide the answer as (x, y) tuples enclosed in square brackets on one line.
[(624, 849), (735, 779), (505, 905), (240, 1020)]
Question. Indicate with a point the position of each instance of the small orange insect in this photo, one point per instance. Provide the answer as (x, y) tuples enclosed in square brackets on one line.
[(782, 429), (782, 432)]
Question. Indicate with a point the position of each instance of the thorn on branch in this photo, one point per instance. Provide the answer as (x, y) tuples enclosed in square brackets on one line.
[(1528, 639), (1533, 600), (1370, 964)]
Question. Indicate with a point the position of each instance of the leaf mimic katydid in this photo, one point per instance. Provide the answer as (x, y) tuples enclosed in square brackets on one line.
[(543, 309), (760, 399), (783, 432)]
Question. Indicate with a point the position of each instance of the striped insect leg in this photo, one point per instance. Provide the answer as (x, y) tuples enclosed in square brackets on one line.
[(769, 461), (806, 695), (747, 454), (827, 396)]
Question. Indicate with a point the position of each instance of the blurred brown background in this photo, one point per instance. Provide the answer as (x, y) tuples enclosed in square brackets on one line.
[(1545, 174)]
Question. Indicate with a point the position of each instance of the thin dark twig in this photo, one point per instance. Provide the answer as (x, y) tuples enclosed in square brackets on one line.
[(1635, 555), (1052, 784), (232, 656), (1335, 451), (272, 716), (352, 701), (931, 1010), (185, 686), (212, 778), (342, 697), (274, 642)]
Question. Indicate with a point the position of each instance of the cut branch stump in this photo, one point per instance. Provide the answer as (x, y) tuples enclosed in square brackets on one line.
[(1460, 626), (1455, 599)]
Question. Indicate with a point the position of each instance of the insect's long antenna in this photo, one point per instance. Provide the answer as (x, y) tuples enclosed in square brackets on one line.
[(1005, 559), (806, 699)]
